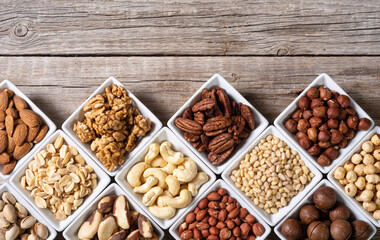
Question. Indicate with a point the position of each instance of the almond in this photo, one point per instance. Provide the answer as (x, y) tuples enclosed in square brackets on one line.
[(2, 125), (3, 141), (13, 112), (9, 124), (19, 102), (11, 103), (11, 145), (41, 134), (8, 168), (29, 117), (3, 100), (4, 158), (9, 92), (2, 116), (32, 133), (22, 150), (21, 131)]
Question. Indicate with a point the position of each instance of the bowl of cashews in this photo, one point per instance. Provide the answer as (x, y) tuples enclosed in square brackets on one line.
[(165, 178)]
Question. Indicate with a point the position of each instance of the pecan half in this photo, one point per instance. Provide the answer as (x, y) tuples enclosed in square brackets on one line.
[(221, 143), (245, 133), (217, 159), (214, 133), (217, 123), (203, 105), (199, 146), (238, 125), (191, 137), (199, 117), (188, 114), (188, 125), (205, 141), (225, 101), (247, 114), (205, 94)]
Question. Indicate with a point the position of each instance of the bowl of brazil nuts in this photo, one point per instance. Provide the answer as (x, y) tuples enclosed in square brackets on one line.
[(272, 175), (357, 176)]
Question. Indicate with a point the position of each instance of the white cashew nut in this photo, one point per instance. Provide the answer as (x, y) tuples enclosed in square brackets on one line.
[(154, 150), (188, 173), (173, 185), (133, 176), (197, 182), (169, 155), (183, 200), (169, 168), (160, 202), (150, 182), (157, 173), (158, 162), (162, 212), (150, 197)]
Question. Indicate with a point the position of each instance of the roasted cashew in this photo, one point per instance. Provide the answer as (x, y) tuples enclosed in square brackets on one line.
[(183, 200), (188, 173), (133, 176), (158, 162), (157, 173), (169, 168), (150, 197), (162, 212), (197, 182), (154, 150), (173, 185), (150, 182), (169, 155), (160, 202)]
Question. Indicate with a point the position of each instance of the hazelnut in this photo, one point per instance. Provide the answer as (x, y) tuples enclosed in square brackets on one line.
[(324, 144), (300, 135), (318, 231), (320, 111), (304, 103), (324, 135), (334, 94), (333, 113), (314, 150), (340, 173), (350, 134), (339, 212), (324, 160), (333, 103), (364, 124), (342, 114), (315, 122), (312, 93), (316, 103), (332, 153), (312, 133), (343, 143), (291, 125), (350, 189), (333, 123), (305, 142), (360, 230), (351, 111), (258, 229), (309, 214), (343, 100), (352, 121), (376, 139), (340, 230), (324, 198), (336, 136), (303, 125), (323, 127), (324, 93), (343, 128), (368, 146), (297, 115), (307, 114), (349, 166), (291, 229)]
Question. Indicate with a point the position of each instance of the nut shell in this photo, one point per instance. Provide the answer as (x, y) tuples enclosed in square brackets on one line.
[(340, 230), (291, 229), (339, 212), (324, 198), (318, 231), (309, 214), (360, 230)]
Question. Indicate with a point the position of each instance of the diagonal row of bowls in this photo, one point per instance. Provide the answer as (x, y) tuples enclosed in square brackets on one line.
[(175, 135)]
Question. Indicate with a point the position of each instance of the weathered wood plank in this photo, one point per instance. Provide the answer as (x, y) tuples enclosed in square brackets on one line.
[(200, 27)]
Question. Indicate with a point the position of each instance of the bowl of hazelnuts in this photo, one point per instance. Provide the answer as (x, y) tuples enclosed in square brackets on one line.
[(325, 214), (324, 122)]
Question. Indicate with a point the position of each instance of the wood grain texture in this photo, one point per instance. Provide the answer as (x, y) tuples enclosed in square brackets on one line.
[(201, 27)]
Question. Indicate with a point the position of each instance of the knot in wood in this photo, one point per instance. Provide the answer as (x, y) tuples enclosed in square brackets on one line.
[(20, 30)]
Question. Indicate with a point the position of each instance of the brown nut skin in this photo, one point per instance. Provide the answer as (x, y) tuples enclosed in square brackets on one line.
[(307, 114), (343, 143), (203, 203), (213, 196), (303, 125), (333, 123), (364, 124), (187, 234), (343, 127), (315, 122), (352, 121), (225, 233), (324, 198), (351, 111), (333, 113), (314, 150), (332, 153), (312, 133), (342, 115), (320, 111), (297, 115), (222, 191), (300, 135), (316, 103), (340, 230), (360, 230), (291, 229), (324, 135), (291, 125), (318, 231), (324, 160), (309, 214), (324, 127), (324, 93), (258, 229), (312, 93), (343, 100), (333, 103), (324, 144), (305, 142), (304, 103), (336, 136), (190, 217), (350, 134), (340, 211)]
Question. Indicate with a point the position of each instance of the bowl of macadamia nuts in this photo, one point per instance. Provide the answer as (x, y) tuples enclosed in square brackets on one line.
[(220, 213), (112, 125), (324, 214), (112, 215), (165, 178), (271, 175), (325, 122), (358, 176)]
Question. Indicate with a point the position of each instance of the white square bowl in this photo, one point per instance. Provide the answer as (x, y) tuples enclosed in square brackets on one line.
[(71, 232), (322, 80), (7, 84), (231, 192), (103, 181), (78, 115), (340, 187), (272, 219), (165, 134), (32, 212), (309, 199), (218, 81)]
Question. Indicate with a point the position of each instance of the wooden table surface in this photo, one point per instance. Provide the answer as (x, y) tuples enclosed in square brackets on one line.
[(59, 52)]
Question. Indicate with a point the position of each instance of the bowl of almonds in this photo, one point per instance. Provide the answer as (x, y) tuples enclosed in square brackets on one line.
[(60, 180)]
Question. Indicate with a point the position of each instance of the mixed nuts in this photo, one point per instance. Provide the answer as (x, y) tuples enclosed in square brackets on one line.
[(216, 124)]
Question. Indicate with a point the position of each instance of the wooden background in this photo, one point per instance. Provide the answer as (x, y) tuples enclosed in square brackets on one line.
[(59, 52)]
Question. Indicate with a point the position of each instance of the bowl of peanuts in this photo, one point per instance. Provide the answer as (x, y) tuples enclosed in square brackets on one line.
[(272, 175)]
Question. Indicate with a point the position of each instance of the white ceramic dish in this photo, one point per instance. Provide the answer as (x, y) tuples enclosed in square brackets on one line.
[(340, 187), (272, 219), (165, 134), (218, 81), (325, 80), (7, 84), (8, 188), (78, 114), (71, 232), (309, 199), (103, 181), (231, 192)]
